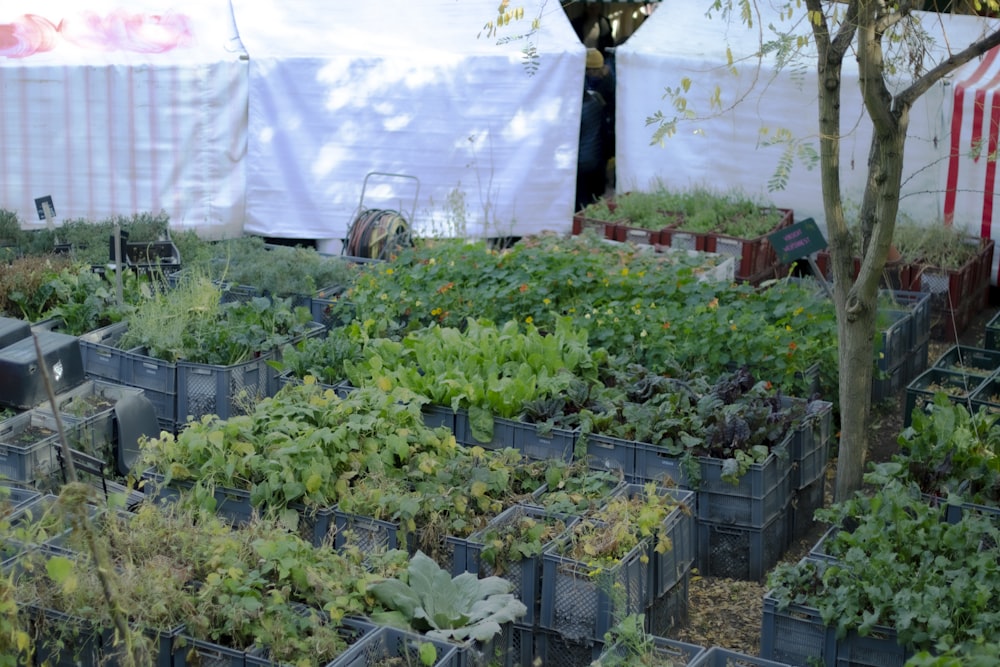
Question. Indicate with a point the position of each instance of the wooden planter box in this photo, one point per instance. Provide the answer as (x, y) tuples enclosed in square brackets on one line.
[(957, 295), (607, 229), (754, 257)]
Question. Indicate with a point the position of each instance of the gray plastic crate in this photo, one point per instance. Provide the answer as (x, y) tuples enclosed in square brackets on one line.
[(607, 453), (581, 605), (739, 552), (759, 495), (796, 635), (669, 611), (554, 650), (878, 649), (679, 528), (375, 648), (668, 651), (351, 630), (28, 446), (720, 657), (233, 505), (810, 446), (894, 341), (886, 384), (226, 391), (558, 443), (525, 574), (919, 306), (438, 416), (503, 432), (804, 504), (369, 535), (101, 356), (655, 464), (81, 643), (93, 403), (200, 652)]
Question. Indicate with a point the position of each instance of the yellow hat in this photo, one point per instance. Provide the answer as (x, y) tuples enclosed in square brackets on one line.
[(594, 59)]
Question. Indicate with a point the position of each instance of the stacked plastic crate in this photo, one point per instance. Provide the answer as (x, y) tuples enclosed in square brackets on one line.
[(902, 345)]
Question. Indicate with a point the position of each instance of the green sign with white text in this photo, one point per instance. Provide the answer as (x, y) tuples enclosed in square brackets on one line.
[(800, 239)]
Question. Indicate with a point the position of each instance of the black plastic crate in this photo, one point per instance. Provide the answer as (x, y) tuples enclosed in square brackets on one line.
[(991, 340), (22, 386), (958, 386), (13, 330), (969, 360)]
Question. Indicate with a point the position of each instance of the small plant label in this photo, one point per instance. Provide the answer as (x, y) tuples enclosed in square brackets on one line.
[(46, 209)]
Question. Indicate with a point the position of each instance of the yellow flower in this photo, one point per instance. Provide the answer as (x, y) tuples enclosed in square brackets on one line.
[(625, 271), (389, 271), (436, 312), (546, 301), (529, 319), (432, 261)]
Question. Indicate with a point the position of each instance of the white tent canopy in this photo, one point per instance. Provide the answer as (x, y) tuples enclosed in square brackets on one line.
[(114, 111), (408, 88), (729, 149)]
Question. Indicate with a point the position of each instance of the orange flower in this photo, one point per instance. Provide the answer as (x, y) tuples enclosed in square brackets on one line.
[(445, 288), (792, 345), (714, 303), (666, 325), (523, 288)]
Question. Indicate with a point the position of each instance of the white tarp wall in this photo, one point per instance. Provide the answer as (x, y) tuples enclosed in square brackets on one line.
[(728, 150), (114, 111), (405, 87)]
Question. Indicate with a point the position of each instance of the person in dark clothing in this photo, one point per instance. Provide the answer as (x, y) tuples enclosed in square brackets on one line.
[(594, 29), (592, 155)]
